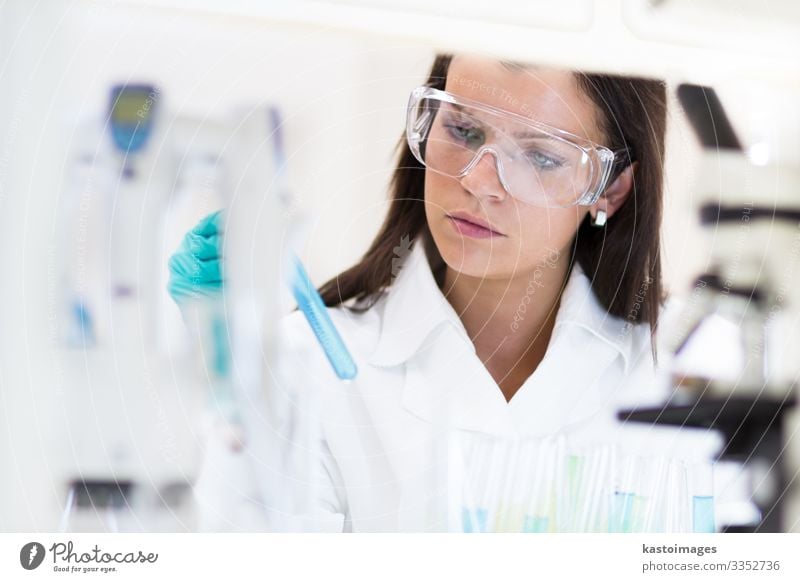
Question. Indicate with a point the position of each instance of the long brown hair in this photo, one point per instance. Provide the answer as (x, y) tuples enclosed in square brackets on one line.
[(623, 260)]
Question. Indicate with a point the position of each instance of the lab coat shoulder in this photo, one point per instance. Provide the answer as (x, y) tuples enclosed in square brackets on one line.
[(648, 385)]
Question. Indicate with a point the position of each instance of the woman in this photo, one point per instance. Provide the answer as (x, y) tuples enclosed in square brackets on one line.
[(507, 307)]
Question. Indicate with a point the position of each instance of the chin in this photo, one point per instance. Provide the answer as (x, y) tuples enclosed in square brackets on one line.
[(472, 258)]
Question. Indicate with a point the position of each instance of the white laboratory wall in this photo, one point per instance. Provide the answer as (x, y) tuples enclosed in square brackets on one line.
[(343, 100), (31, 387), (684, 249)]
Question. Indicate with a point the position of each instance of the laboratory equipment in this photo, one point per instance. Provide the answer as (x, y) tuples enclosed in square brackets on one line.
[(550, 484), (143, 176), (749, 279), (310, 303), (132, 116), (195, 274)]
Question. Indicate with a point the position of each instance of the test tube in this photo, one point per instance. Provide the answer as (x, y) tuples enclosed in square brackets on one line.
[(538, 463), (560, 496), (474, 515), (676, 498), (311, 305), (622, 518), (523, 481), (655, 478), (493, 484), (575, 466), (593, 488), (702, 486), (509, 516)]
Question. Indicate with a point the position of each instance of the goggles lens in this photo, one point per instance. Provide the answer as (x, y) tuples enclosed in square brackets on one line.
[(536, 164)]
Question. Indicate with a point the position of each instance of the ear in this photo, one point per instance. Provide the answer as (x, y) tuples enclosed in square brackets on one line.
[(617, 193)]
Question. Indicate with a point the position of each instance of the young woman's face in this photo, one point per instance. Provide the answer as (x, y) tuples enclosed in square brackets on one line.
[(521, 237)]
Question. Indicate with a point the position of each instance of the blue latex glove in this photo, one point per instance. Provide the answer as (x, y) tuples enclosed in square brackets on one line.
[(195, 268)]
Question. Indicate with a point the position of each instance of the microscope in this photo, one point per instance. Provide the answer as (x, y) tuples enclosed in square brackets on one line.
[(749, 208), (140, 176)]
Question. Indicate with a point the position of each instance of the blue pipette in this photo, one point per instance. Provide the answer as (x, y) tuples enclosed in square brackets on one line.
[(306, 295), (312, 306)]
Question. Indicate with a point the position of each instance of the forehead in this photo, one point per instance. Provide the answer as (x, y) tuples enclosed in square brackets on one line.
[(544, 95)]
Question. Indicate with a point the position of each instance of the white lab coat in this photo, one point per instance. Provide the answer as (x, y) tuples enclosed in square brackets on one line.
[(379, 464)]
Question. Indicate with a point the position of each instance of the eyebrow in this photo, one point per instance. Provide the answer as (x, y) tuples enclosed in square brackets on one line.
[(522, 135), (533, 136), (516, 67)]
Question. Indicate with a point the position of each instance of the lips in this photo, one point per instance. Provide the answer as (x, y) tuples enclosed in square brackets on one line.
[(472, 226)]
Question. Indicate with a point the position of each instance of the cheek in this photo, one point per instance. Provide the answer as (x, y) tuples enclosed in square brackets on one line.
[(438, 189), (554, 227), (543, 232), (441, 196)]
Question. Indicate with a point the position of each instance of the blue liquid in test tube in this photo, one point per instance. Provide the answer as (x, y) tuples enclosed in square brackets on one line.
[(535, 524), (621, 513), (703, 514), (474, 520), (312, 306)]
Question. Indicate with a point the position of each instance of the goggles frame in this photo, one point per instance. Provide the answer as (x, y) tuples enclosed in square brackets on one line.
[(599, 178)]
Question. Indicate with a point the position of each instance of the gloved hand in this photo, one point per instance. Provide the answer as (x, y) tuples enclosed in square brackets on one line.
[(195, 268)]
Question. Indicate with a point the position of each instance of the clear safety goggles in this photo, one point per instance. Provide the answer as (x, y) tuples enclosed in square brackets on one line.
[(536, 164)]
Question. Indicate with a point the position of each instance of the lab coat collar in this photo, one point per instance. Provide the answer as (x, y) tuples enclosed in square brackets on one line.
[(415, 307)]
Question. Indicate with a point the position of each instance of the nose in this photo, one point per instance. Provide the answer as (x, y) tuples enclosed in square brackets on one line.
[(483, 177)]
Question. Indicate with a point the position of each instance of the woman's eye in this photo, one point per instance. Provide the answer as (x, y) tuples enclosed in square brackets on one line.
[(469, 135), (543, 161)]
